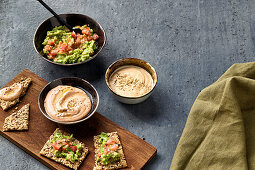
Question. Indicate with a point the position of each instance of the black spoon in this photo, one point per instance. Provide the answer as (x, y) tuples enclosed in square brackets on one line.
[(60, 20)]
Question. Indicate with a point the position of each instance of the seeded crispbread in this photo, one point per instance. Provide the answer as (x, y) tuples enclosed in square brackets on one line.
[(18, 120), (48, 151), (25, 82), (121, 164)]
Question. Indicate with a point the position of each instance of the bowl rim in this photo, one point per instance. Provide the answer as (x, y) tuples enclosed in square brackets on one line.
[(71, 122), (126, 59), (73, 64)]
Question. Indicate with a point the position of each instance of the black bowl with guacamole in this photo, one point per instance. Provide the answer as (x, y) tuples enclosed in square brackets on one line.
[(42, 38)]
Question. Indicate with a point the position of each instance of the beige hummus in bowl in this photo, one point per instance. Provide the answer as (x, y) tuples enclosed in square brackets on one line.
[(68, 100), (131, 80)]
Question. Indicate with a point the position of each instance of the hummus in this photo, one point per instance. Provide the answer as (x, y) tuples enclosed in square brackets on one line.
[(11, 93), (67, 103), (131, 81)]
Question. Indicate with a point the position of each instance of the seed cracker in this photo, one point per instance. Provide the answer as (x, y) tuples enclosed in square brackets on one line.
[(18, 120), (117, 165), (48, 151), (25, 82)]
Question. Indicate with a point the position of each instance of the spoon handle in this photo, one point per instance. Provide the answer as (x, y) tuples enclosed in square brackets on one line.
[(56, 15)]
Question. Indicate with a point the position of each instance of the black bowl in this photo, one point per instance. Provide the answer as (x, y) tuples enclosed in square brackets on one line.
[(75, 82), (73, 20)]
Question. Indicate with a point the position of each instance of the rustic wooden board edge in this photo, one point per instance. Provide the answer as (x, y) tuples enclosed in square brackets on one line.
[(40, 158), (4, 134), (130, 133), (26, 150)]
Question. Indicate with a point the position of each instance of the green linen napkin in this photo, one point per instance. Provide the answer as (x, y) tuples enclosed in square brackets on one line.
[(220, 129)]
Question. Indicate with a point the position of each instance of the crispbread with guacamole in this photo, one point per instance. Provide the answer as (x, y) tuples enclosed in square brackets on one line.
[(65, 149), (108, 152), (18, 120), (24, 83)]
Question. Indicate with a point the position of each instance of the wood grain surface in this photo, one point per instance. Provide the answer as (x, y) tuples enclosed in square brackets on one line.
[(137, 151)]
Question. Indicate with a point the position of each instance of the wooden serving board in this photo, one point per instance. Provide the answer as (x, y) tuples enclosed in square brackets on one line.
[(137, 151)]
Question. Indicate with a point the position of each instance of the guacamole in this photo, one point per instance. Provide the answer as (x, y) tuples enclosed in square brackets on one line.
[(65, 47), (65, 148), (108, 150)]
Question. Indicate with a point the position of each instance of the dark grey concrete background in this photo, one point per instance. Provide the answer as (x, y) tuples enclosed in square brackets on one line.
[(189, 42)]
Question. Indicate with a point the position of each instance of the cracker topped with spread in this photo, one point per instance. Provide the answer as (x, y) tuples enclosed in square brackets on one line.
[(108, 152), (9, 96), (18, 120), (65, 149)]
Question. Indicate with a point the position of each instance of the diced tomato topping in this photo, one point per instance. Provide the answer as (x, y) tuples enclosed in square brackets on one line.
[(73, 34), (64, 48), (95, 37), (89, 38), (56, 146), (50, 57), (106, 151), (86, 31), (110, 141), (69, 48), (47, 48), (73, 148), (68, 141), (78, 36), (62, 145), (64, 148), (68, 40), (78, 42), (110, 145), (62, 142), (54, 52), (82, 40), (60, 51), (50, 42), (113, 147)]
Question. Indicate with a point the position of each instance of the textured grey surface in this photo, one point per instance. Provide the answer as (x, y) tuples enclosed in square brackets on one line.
[(189, 42)]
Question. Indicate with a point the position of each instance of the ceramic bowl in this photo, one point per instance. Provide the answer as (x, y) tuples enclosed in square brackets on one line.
[(75, 82), (73, 20), (135, 62)]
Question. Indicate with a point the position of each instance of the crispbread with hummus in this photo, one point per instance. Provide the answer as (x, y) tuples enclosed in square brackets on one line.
[(116, 165), (6, 104), (18, 120), (49, 151)]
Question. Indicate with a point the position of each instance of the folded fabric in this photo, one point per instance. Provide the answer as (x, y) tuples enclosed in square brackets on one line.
[(220, 129)]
